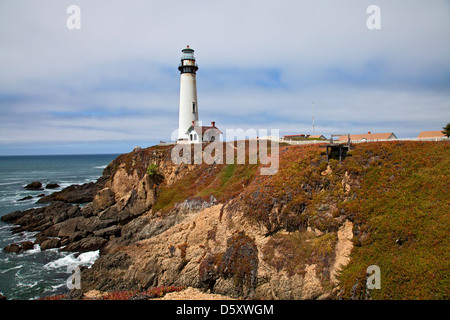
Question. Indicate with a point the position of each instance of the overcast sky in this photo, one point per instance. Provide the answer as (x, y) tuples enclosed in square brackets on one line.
[(114, 84)]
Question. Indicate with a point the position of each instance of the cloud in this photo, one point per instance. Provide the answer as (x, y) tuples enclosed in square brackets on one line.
[(262, 64)]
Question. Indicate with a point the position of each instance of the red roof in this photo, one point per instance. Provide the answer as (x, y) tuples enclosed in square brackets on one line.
[(202, 129)]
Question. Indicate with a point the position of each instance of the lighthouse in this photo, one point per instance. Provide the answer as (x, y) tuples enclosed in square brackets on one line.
[(188, 112)]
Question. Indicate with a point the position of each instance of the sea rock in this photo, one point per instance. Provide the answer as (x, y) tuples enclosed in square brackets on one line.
[(87, 244), (12, 248), (25, 198), (50, 244), (74, 194), (35, 185), (27, 245), (12, 216), (52, 186), (107, 232)]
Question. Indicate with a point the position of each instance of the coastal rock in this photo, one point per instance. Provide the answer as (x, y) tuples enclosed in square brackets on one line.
[(35, 185), (25, 198), (27, 245), (50, 244), (12, 248), (52, 186), (107, 232), (104, 199), (75, 193), (86, 244), (12, 217)]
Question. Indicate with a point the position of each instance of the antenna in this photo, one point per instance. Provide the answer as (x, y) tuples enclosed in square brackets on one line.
[(313, 116)]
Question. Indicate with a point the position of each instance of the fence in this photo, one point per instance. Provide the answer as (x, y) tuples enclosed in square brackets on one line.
[(297, 142)]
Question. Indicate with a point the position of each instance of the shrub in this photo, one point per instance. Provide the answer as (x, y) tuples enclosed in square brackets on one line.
[(152, 169)]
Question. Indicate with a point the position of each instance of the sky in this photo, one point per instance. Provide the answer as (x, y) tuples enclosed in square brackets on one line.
[(114, 83)]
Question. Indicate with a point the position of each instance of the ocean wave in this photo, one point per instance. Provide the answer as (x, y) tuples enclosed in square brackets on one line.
[(10, 269), (101, 167), (35, 249), (84, 259)]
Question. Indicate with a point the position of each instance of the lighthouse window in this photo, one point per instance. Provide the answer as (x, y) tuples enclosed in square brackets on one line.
[(193, 106)]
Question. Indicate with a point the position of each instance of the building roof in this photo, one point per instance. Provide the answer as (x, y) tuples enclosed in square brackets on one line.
[(317, 136), (294, 136), (202, 129), (369, 136), (431, 134)]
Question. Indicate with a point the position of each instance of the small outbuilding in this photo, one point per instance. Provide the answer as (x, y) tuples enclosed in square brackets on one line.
[(199, 134)]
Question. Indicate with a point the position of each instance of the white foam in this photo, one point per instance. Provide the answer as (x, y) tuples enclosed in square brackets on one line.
[(86, 259), (36, 249), (10, 269), (101, 167)]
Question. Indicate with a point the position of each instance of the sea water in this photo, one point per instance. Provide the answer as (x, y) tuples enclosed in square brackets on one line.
[(34, 273)]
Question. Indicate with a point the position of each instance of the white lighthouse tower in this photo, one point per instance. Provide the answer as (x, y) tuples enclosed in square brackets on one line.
[(188, 93)]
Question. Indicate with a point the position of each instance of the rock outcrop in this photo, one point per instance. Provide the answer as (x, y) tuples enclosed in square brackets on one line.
[(198, 242)]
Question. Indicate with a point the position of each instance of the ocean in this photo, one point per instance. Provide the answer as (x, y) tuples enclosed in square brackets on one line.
[(35, 273)]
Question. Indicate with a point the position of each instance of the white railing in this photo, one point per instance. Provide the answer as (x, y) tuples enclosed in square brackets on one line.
[(299, 142)]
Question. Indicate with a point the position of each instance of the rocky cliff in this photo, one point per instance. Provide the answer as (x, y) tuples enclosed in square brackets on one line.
[(223, 228)]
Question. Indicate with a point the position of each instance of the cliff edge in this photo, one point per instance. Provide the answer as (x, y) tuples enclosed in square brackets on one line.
[(308, 232)]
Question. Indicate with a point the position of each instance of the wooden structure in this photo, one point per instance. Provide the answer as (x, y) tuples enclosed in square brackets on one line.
[(340, 148)]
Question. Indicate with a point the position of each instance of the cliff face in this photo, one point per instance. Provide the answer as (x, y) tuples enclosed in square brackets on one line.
[(225, 234), (308, 232)]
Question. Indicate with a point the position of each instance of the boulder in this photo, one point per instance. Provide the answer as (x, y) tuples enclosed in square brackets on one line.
[(12, 248), (86, 244), (12, 216), (27, 245), (113, 230), (68, 227), (25, 198), (52, 186), (94, 223), (35, 185), (104, 199), (74, 194), (50, 244)]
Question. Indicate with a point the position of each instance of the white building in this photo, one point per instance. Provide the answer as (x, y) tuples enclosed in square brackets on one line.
[(197, 133), (188, 93), (189, 128)]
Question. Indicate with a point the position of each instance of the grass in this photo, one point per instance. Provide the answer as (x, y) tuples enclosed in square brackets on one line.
[(223, 181), (398, 202), (402, 210)]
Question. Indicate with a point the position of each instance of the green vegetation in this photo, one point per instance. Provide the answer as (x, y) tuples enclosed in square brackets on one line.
[(446, 130), (152, 169), (223, 181), (402, 214), (395, 193), (398, 202)]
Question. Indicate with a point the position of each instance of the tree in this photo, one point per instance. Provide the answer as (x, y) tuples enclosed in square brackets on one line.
[(446, 130)]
